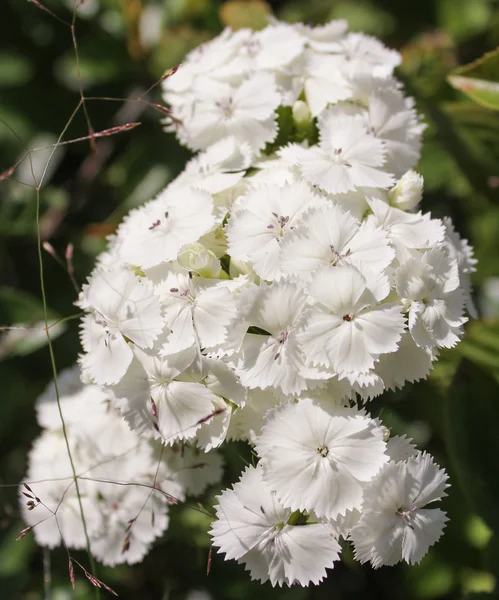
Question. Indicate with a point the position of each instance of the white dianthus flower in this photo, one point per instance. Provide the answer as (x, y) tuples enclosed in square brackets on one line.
[(123, 309), (255, 529), (156, 232), (395, 524), (347, 330), (430, 284), (261, 220), (347, 157), (319, 459), (330, 236)]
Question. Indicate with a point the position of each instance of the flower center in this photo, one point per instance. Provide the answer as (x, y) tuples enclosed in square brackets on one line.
[(337, 256), (281, 338), (279, 224), (158, 223), (323, 450), (407, 515), (226, 107)]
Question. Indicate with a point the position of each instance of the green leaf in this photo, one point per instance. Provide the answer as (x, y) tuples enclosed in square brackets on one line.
[(481, 345), (15, 69), (24, 313), (479, 80), (472, 412)]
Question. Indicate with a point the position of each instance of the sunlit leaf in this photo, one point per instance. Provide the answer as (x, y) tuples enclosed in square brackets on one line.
[(479, 80)]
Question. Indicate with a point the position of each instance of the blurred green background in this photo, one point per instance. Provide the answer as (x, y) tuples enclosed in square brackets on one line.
[(124, 47)]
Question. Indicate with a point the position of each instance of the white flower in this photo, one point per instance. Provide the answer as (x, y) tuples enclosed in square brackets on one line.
[(246, 112), (248, 421), (156, 232), (395, 525), (124, 309), (153, 398), (197, 312), (255, 529), (213, 60), (363, 52), (406, 231), (189, 470), (221, 166), (330, 236), (346, 158), (323, 38), (390, 117), (133, 516), (199, 260), (73, 394), (319, 458), (347, 330), (273, 358), (261, 220), (410, 363), (430, 284), (317, 77), (275, 46), (50, 468), (400, 447), (462, 252)]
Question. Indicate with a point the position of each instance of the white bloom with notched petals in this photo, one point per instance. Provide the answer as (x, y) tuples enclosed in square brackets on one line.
[(273, 358), (246, 112), (395, 524), (155, 233), (346, 330), (261, 220), (254, 528), (156, 399), (123, 309), (197, 312), (319, 458), (346, 158), (430, 286), (330, 236)]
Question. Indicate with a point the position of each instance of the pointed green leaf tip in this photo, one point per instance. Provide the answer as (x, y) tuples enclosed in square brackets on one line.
[(479, 80)]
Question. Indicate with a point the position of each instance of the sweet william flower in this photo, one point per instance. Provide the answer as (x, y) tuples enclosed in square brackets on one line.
[(124, 309), (395, 524), (330, 236), (273, 358), (346, 330), (246, 112), (319, 457), (255, 529), (155, 233), (430, 283), (261, 220), (197, 312), (347, 157), (155, 400)]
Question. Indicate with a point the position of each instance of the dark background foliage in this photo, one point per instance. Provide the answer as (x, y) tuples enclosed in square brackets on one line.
[(124, 46)]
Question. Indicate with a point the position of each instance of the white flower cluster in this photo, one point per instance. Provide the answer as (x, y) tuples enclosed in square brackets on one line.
[(284, 276), (125, 482)]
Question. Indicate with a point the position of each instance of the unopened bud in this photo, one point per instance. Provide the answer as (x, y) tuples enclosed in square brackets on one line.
[(408, 192), (301, 112), (198, 259)]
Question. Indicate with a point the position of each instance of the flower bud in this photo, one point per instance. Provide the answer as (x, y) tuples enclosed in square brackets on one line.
[(408, 192), (200, 260), (301, 112), (241, 267)]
